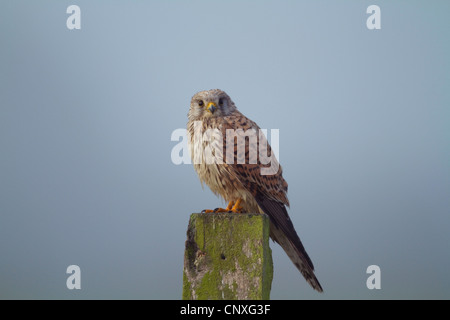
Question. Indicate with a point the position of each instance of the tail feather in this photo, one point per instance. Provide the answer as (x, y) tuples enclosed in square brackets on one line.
[(300, 259), (282, 231)]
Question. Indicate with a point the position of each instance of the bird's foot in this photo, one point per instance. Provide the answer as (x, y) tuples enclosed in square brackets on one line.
[(216, 210), (237, 207), (219, 210), (233, 207)]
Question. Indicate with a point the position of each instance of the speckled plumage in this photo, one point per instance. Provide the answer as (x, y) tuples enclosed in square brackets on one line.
[(239, 178)]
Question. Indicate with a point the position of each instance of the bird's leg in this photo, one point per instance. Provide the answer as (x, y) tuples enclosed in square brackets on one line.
[(218, 210), (237, 207)]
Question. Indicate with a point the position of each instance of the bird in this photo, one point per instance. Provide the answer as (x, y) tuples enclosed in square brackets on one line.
[(229, 167)]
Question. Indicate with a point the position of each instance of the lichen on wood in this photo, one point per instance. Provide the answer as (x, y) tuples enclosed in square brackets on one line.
[(227, 256)]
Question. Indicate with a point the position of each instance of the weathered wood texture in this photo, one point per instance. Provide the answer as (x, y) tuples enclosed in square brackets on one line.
[(228, 257)]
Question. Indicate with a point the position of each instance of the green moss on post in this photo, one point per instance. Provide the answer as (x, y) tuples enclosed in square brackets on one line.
[(227, 256)]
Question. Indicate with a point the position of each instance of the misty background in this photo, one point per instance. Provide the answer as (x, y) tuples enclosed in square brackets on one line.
[(86, 117)]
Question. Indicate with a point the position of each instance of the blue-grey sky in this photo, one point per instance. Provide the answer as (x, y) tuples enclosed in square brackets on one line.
[(86, 117)]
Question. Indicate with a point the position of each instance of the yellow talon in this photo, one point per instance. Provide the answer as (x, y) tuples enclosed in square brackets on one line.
[(218, 210), (237, 208)]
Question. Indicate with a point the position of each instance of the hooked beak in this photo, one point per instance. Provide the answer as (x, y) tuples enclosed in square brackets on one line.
[(211, 107)]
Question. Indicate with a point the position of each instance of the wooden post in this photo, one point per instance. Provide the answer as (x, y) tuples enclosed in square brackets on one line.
[(228, 257)]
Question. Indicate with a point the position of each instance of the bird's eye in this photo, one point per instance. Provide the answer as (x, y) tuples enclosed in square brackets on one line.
[(200, 103), (220, 102)]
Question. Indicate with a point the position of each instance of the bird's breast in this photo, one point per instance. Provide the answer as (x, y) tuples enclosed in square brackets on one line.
[(206, 146)]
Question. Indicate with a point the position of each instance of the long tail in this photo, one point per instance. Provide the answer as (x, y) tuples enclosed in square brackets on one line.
[(282, 231)]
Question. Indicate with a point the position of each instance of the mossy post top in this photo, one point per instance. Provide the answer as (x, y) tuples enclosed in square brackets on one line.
[(228, 257)]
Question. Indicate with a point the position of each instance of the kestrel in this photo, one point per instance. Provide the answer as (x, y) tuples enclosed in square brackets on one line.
[(236, 177)]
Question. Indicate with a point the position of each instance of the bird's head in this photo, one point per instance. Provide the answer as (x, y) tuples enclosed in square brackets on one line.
[(210, 103)]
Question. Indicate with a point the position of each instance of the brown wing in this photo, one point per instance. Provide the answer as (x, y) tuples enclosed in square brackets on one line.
[(269, 190), (250, 172)]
